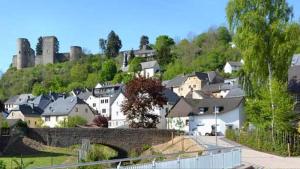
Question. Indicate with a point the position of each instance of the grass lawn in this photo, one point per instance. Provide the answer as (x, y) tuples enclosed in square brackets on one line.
[(47, 157)]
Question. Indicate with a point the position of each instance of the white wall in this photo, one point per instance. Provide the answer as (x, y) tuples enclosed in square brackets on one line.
[(117, 116), (202, 123), (53, 121), (10, 107), (178, 123), (100, 103), (227, 68), (16, 115)]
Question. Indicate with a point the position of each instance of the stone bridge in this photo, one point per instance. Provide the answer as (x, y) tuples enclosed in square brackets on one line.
[(123, 140)]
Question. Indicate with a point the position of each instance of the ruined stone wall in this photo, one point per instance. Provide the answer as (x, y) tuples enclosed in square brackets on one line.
[(75, 53), (48, 49)]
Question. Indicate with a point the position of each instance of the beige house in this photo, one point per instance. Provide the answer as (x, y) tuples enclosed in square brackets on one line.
[(182, 85), (26, 114)]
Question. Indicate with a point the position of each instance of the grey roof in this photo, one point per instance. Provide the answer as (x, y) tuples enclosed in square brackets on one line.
[(235, 92), (208, 105), (62, 106), (211, 88), (40, 103), (296, 59), (294, 79), (19, 99), (177, 81), (149, 64), (237, 64), (211, 77), (85, 95), (28, 111), (199, 92), (171, 97)]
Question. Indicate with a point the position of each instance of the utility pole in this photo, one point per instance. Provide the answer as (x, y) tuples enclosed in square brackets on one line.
[(216, 125)]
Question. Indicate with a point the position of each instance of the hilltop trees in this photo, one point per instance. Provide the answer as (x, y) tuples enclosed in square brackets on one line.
[(144, 42), (163, 47), (111, 46), (143, 95), (39, 46), (109, 69)]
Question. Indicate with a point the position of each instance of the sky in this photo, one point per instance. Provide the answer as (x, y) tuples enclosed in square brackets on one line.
[(83, 22)]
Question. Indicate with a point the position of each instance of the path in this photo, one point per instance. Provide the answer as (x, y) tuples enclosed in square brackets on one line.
[(250, 156)]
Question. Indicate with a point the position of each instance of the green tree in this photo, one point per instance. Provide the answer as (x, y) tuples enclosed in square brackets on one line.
[(163, 47), (131, 55), (109, 69), (267, 39), (92, 80), (135, 65), (102, 45), (38, 89), (39, 46), (79, 73), (144, 41), (259, 111), (113, 45)]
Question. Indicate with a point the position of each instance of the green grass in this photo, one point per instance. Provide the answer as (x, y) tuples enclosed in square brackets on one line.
[(47, 157)]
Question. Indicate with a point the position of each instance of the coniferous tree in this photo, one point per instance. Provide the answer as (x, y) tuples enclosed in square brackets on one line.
[(113, 45), (39, 46), (144, 41)]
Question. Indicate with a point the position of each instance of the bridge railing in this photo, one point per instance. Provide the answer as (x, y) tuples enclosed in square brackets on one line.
[(229, 157)]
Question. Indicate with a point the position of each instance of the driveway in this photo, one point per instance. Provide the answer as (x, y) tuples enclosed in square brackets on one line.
[(249, 156)]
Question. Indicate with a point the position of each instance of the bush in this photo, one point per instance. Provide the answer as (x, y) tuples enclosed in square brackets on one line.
[(72, 121), (2, 165), (146, 147)]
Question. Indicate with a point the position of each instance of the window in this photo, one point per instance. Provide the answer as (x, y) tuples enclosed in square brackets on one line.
[(94, 104), (47, 118), (117, 113), (76, 109), (86, 110), (28, 121), (12, 114), (35, 123), (103, 110), (194, 86), (102, 101), (106, 100), (186, 122), (56, 118)]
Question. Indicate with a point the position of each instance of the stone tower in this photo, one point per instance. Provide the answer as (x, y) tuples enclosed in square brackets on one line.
[(25, 55), (49, 49), (75, 53)]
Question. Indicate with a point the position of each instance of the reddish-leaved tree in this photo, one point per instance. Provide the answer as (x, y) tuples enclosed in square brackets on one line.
[(142, 96), (100, 121)]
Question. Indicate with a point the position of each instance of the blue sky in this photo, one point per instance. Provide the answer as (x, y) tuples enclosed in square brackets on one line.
[(83, 22)]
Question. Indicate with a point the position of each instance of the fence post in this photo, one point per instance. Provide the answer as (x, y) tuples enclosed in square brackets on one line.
[(119, 165), (153, 164)]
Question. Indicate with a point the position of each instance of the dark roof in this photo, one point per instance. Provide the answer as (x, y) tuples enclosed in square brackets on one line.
[(171, 97), (177, 81), (188, 106), (294, 79), (238, 64), (29, 111), (4, 114)]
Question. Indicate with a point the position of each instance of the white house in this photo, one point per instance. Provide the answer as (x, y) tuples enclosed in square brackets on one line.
[(231, 67), (198, 116), (118, 119), (103, 97), (149, 69), (13, 102), (59, 110)]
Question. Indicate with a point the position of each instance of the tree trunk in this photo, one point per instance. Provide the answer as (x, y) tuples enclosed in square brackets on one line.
[(271, 95)]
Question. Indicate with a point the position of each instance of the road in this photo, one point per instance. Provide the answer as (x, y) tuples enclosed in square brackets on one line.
[(249, 156)]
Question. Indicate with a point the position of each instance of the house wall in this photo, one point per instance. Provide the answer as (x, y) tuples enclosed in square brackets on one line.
[(84, 111), (32, 122), (202, 124), (117, 116), (100, 103), (16, 115), (53, 121), (192, 83), (178, 123), (94, 103), (10, 107), (227, 68)]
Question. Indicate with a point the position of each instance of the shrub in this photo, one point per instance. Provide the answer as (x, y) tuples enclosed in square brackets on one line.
[(72, 121), (2, 165)]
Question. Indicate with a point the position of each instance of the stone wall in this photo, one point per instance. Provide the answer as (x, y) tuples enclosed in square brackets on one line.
[(124, 139)]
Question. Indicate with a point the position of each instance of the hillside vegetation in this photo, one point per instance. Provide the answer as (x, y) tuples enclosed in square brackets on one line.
[(205, 52)]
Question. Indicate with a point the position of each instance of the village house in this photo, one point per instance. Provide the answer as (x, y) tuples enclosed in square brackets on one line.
[(148, 69), (118, 118), (15, 101), (199, 116), (183, 84), (102, 98), (64, 107), (231, 66), (223, 90)]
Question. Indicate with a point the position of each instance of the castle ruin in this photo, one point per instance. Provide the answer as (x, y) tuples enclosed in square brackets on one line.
[(26, 57)]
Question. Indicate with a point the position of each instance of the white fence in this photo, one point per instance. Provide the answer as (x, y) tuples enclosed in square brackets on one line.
[(228, 159)]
